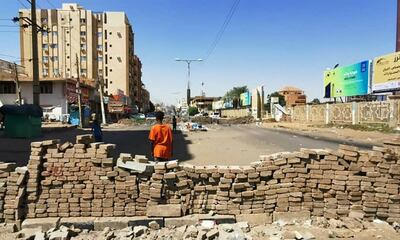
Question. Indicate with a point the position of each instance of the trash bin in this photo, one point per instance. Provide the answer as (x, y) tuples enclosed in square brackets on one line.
[(23, 121)]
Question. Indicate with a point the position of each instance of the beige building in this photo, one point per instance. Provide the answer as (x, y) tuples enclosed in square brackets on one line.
[(101, 43)]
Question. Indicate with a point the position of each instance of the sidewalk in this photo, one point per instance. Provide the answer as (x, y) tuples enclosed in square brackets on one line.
[(334, 134)]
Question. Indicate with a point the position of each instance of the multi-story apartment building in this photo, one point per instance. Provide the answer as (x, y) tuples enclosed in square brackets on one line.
[(101, 44), (137, 81)]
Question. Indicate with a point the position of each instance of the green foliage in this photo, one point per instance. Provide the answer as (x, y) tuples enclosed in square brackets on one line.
[(193, 111), (281, 102), (234, 93)]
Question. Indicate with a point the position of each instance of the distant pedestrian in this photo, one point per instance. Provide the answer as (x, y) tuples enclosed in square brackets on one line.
[(96, 129), (174, 123), (161, 139)]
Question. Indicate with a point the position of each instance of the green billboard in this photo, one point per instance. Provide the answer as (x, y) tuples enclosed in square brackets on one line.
[(352, 80), (245, 99)]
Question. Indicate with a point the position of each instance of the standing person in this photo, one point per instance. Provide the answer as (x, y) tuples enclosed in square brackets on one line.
[(174, 123), (96, 129), (161, 139)]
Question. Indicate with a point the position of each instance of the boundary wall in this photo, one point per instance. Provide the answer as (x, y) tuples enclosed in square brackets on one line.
[(83, 180), (381, 112)]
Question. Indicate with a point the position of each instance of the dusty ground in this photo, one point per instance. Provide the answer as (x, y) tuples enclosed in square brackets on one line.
[(317, 228), (367, 137)]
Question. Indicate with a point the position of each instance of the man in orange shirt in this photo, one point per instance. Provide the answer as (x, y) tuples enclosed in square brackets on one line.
[(161, 139)]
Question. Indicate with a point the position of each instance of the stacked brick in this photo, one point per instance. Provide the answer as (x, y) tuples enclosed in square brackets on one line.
[(5, 170), (82, 179), (35, 164), (14, 201)]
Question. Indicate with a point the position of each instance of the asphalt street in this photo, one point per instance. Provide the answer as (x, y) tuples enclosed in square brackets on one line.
[(222, 145)]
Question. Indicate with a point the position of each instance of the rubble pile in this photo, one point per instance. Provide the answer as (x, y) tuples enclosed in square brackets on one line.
[(86, 180), (314, 228)]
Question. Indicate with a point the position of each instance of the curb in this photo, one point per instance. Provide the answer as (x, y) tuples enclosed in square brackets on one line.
[(359, 144)]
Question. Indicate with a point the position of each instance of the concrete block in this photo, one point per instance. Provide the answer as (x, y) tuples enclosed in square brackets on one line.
[(79, 222), (291, 216), (219, 219), (111, 222), (144, 221), (181, 221), (255, 219), (167, 210), (44, 223)]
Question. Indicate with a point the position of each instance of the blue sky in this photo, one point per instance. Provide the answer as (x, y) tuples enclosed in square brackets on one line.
[(268, 42)]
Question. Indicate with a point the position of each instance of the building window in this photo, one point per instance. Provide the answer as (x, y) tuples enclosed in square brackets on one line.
[(45, 46), (54, 45), (83, 72), (45, 33), (55, 33), (54, 58), (106, 71), (110, 70), (83, 46), (105, 34), (100, 59), (99, 47), (83, 58), (83, 33), (45, 72), (56, 72), (46, 87), (45, 59), (99, 34), (83, 20), (110, 33), (110, 45), (44, 20), (106, 59), (7, 87)]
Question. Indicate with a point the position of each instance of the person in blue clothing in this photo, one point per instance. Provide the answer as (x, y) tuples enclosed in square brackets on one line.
[(96, 129)]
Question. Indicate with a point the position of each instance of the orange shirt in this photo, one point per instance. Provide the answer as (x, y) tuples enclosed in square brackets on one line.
[(161, 136)]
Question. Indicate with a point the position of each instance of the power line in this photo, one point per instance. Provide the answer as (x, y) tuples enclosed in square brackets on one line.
[(51, 4), (222, 29), (20, 2)]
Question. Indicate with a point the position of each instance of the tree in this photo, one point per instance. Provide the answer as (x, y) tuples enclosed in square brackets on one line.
[(234, 93), (193, 111), (281, 100), (315, 101)]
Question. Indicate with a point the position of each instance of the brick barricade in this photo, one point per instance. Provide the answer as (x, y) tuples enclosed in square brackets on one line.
[(82, 179)]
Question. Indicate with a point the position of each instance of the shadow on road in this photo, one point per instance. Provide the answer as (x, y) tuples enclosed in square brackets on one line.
[(136, 142), (127, 141)]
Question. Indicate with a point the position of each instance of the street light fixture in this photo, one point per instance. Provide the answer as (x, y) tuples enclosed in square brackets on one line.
[(188, 61)]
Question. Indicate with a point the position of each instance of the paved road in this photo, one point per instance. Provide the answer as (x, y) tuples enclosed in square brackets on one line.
[(243, 144), (223, 145)]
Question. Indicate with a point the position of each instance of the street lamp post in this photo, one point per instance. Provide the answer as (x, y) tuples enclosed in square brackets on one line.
[(188, 61)]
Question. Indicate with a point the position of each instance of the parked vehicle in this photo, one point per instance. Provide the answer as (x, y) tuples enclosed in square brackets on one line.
[(215, 115), (138, 116), (151, 116)]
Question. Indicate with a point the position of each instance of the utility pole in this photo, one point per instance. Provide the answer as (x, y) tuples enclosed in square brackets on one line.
[(18, 88), (188, 61), (78, 92), (101, 89), (35, 58)]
